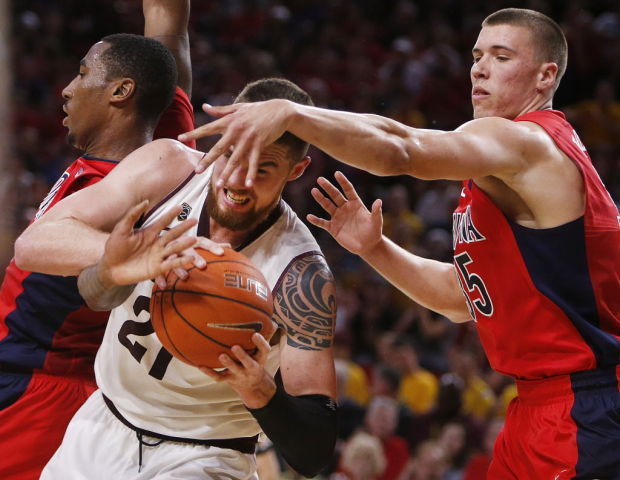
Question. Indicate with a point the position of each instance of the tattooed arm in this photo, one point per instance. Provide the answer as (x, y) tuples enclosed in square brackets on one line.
[(298, 414), (305, 308)]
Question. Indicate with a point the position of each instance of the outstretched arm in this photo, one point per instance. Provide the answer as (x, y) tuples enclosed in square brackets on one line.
[(166, 21), (432, 284), (488, 146)]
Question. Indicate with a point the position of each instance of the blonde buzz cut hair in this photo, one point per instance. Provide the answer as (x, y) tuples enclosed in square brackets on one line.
[(546, 34)]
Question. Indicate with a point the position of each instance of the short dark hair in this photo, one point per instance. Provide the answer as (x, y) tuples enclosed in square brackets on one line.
[(546, 34), (149, 63), (270, 88)]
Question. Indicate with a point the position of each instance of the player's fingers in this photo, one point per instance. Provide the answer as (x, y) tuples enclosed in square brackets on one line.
[(229, 363), (172, 234), (182, 272), (243, 357), (165, 220), (221, 147), (178, 266), (127, 222), (179, 246), (221, 110), (347, 187), (208, 129), (323, 201), (253, 159), (319, 222), (211, 246), (238, 157), (336, 195), (215, 375), (263, 347), (376, 208), (197, 259), (160, 281)]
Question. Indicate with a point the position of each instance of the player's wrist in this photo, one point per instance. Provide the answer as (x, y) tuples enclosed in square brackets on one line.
[(104, 275), (374, 249), (260, 395)]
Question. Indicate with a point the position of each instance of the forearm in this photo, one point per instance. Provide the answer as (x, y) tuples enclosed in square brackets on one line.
[(303, 428), (167, 22), (373, 143), (430, 283), (61, 247), (165, 17), (97, 293)]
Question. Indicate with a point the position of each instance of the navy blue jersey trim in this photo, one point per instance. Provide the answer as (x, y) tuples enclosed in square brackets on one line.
[(40, 310), (90, 158), (12, 387), (557, 262), (596, 413)]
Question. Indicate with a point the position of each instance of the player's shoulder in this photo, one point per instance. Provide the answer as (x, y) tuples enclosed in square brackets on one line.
[(500, 126), (525, 139), (310, 267), (163, 153)]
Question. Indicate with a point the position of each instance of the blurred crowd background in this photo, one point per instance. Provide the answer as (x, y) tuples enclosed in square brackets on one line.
[(417, 397)]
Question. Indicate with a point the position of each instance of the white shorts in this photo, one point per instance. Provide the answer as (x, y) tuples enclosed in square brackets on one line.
[(97, 445)]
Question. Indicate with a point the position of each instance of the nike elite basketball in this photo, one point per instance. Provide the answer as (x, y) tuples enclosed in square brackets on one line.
[(222, 305)]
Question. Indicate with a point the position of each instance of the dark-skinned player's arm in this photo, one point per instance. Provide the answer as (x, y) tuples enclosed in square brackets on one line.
[(297, 410), (430, 283), (72, 234), (167, 22)]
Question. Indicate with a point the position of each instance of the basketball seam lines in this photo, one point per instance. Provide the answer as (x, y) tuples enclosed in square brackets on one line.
[(221, 297)]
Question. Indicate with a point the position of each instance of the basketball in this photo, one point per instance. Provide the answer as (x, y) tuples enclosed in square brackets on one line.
[(222, 305)]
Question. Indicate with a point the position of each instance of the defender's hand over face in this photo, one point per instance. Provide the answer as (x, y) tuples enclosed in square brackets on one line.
[(350, 223), (246, 128), (132, 255), (246, 373)]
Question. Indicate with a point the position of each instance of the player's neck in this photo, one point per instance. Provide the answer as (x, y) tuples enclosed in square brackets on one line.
[(539, 103), (116, 142)]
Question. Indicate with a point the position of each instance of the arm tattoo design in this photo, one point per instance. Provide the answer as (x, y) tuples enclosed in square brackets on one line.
[(305, 304)]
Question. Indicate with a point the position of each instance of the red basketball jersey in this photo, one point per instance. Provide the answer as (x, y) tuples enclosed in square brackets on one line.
[(546, 301), (44, 323)]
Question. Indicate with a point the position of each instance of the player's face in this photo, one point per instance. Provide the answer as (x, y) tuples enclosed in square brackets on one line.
[(85, 99), (236, 207), (504, 72)]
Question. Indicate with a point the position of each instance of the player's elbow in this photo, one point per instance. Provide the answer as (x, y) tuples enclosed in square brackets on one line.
[(316, 459), (459, 317)]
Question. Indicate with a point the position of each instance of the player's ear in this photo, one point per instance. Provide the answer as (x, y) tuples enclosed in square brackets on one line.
[(546, 76), (299, 168), (122, 90)]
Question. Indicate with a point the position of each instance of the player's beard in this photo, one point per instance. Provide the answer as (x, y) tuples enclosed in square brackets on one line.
[(232, 220)]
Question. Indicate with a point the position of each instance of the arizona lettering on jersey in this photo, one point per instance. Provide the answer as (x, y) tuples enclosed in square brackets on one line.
[(546, 301)]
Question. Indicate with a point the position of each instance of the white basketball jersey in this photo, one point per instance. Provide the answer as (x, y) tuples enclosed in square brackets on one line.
[(153, 390)]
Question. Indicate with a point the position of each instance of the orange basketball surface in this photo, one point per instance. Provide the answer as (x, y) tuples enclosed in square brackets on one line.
[(222, 305)]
